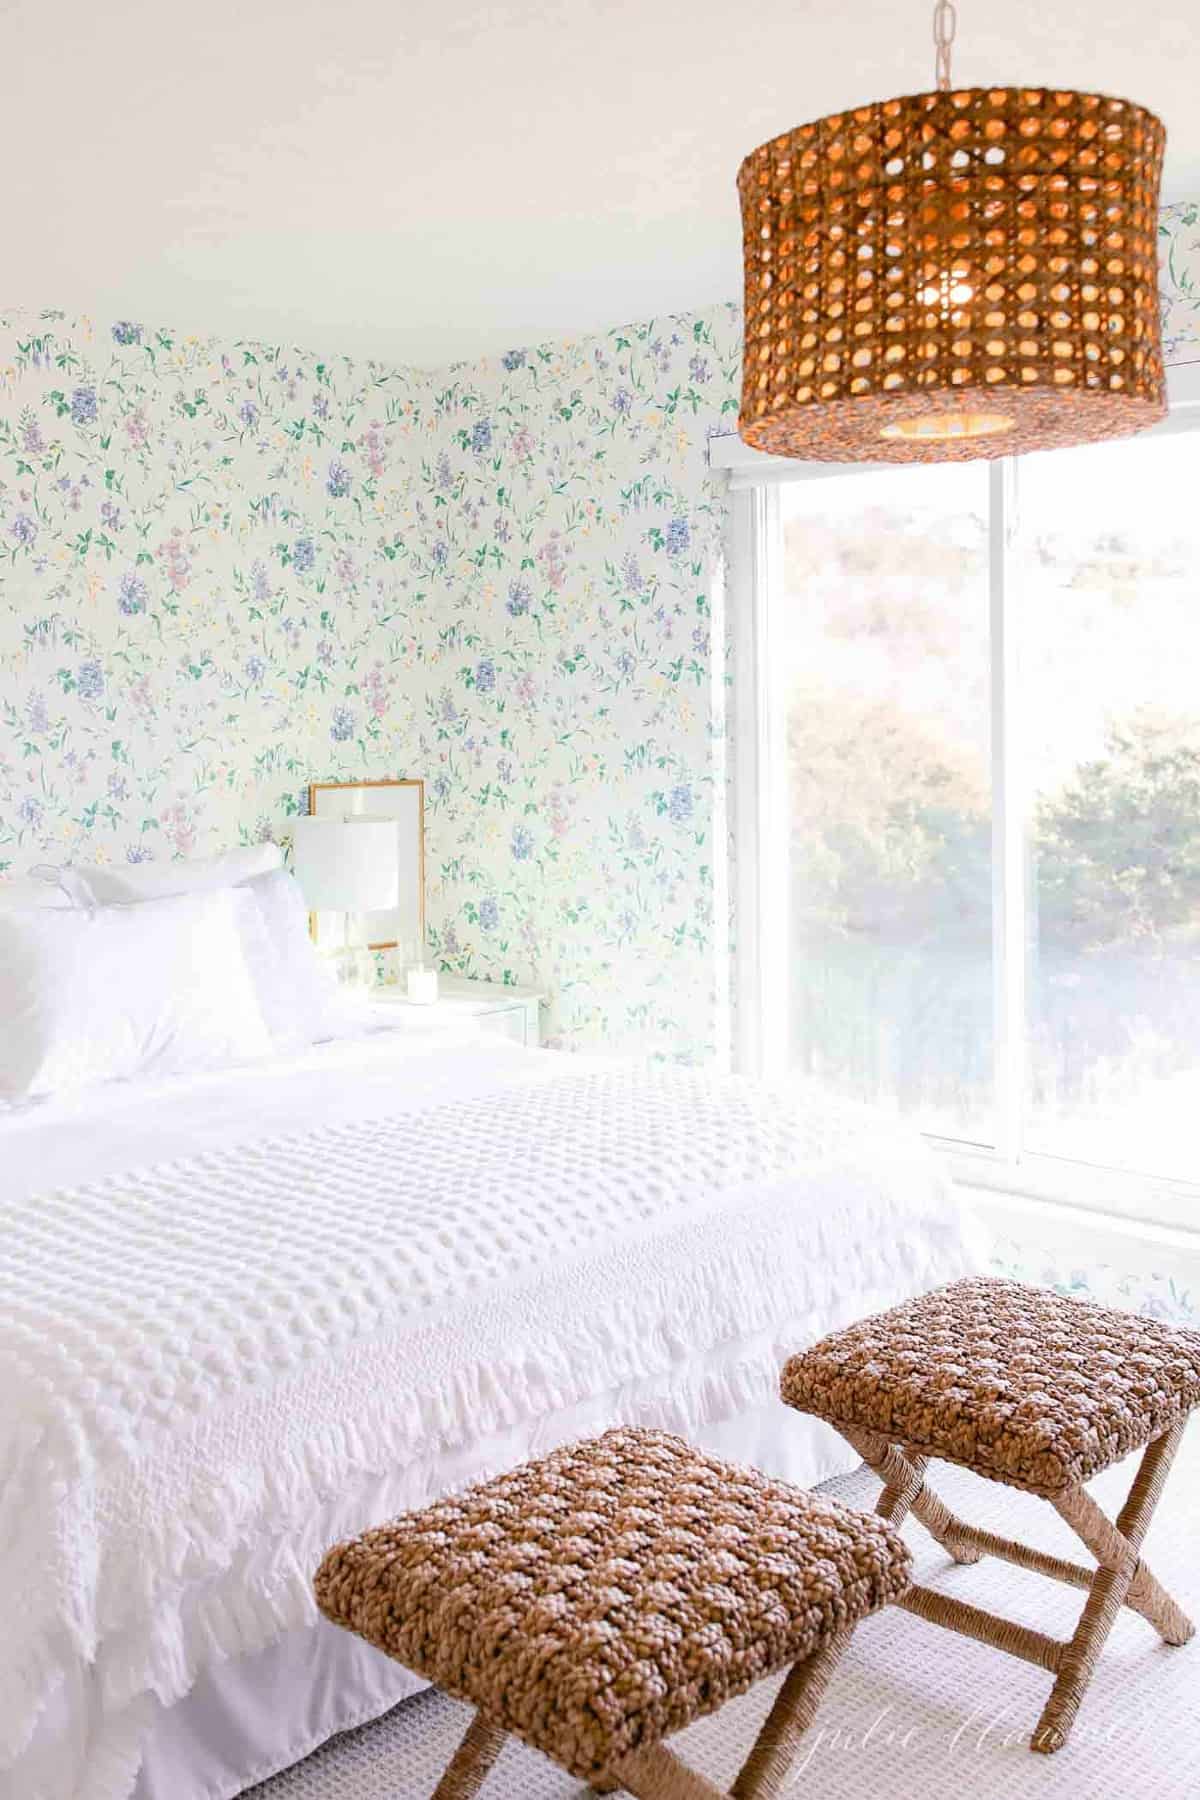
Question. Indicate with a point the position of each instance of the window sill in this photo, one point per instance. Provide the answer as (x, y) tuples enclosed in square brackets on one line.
[(1139, 1205)]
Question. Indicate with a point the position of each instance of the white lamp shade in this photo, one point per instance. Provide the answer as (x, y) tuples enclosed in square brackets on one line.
[(347, 865)]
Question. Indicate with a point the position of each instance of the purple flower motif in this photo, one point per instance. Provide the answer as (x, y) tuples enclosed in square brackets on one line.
[(248, 414), (489, 914), (481, 436), (23, 529), (341, 726), (519, 598), (132, 594), (138, 853), (622, 401), (698, 370), (90, 680), (304, 555), (338, 483), (440, 554), (256, 668), (260, 585), (441, 787), (37, 717), (678, 537), (513, 359), (443, 474), (126, 332), (522, 843), (83, 406), (118, 787), (320, 406), (627, 663), (631, 575), (485, 676), (31, 811), (504, 770), (680, 803)]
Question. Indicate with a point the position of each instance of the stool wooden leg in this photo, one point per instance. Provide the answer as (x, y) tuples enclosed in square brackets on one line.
[(471, 1762), (763, 1773), (1117, 1548)]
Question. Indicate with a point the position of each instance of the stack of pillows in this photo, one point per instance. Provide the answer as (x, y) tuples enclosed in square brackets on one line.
[(158, 969)]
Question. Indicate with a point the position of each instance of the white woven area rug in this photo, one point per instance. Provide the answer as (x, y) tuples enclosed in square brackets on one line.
[(913, 1710)]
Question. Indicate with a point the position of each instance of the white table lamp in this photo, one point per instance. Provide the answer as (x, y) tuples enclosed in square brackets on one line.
[(348, 866)]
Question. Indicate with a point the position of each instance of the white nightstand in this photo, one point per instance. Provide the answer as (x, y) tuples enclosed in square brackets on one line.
[(511, 1012)]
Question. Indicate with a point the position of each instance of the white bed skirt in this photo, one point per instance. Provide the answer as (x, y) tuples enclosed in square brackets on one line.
[(249, 1718)]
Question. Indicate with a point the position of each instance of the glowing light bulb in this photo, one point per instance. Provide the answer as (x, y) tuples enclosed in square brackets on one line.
[(947, 293)]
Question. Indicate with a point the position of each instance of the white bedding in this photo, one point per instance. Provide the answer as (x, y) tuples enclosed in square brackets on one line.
[(249, 1311)]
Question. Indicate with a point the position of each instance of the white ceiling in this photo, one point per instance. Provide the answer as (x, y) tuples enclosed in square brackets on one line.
[(425, 182)]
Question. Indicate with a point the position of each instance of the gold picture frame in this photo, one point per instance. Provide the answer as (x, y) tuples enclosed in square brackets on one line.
[(390, 798)]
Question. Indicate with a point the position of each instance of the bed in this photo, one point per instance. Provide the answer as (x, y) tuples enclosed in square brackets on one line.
[(251, 1310)]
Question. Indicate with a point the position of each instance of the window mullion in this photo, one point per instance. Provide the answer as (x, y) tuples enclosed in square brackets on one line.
[(1009, 932), (762, 827)]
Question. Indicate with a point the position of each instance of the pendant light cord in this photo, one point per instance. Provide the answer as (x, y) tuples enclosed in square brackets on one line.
[(945, 20)]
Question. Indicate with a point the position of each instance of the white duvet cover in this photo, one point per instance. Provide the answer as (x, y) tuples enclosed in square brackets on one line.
[(246, 1313)]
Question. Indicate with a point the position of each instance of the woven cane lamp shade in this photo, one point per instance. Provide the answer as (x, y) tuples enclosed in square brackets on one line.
[(966, 273)]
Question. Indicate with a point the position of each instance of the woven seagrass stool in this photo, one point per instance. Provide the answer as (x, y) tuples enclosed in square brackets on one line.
[(596, 1601), (1029, 1388)]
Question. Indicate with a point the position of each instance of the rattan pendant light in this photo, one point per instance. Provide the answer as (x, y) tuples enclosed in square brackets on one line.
[(965, 273)]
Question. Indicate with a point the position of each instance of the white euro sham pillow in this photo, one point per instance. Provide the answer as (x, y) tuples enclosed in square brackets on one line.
[(157, 989), (111, 884), (298, 992)]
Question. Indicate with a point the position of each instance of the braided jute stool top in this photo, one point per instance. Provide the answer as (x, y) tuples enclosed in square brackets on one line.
[(601, 1598), (1022, 1385)]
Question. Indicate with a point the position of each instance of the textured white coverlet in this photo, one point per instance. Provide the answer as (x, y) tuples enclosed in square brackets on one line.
[(200, 1354)]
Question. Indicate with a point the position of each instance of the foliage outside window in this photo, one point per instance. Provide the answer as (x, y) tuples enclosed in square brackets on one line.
[(882, 636)]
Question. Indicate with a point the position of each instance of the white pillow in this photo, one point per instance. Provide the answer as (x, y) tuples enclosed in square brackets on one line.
[(154, 880), (158, 989), (300, 998), (52, 887)]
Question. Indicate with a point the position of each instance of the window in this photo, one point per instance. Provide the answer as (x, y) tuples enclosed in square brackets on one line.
[(971, 702), (882, 670)]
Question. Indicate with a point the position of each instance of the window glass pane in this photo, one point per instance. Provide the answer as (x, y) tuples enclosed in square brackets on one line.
[(1109, 580), (880, 637)]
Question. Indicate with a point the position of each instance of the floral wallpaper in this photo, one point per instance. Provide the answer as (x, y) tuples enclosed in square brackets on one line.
[(1179, 262), (227, 568), (1080, 1268), (573, 736)]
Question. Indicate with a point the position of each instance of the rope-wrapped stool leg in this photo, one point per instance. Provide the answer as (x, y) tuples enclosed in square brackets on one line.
[(1146, 1595), (905, 1491), (767, 1766), (471, 1762), (1118, 1548), (655, 1774)]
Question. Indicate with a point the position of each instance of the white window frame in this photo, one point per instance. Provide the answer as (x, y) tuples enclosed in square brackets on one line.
[(760, 832)]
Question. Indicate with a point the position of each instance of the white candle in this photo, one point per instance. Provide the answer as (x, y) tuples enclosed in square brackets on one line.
[(422, 986)]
